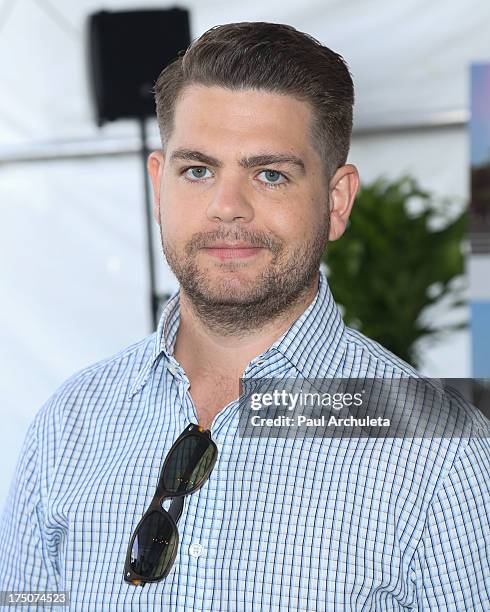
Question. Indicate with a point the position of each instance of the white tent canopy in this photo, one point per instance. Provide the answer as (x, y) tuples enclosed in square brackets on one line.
[(409, 60), (74, 278)]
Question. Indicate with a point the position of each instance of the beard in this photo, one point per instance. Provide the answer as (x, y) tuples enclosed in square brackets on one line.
[(231, 305)]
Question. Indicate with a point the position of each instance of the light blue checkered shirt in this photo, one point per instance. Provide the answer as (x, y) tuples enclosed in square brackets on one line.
[(281, 524)]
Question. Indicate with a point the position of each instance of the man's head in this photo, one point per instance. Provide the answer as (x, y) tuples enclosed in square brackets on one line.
[(269, 57), (255, 121)]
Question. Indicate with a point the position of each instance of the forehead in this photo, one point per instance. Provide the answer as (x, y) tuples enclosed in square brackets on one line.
[(245, 119)]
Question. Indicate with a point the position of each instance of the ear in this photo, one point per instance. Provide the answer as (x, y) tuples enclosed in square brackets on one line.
[(155, 164), (344, 186)]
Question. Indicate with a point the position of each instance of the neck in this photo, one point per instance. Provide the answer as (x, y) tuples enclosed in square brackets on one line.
[(202, 350)]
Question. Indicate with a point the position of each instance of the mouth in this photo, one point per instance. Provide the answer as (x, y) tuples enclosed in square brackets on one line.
[(226, 252)]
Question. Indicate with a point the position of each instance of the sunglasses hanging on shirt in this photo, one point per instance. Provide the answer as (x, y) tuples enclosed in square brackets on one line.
[(154, 543)]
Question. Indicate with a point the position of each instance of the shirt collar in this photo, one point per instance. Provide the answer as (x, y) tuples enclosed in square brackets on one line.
[(314, 344)]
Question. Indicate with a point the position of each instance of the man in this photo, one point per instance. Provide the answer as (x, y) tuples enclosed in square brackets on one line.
[(249, 186)]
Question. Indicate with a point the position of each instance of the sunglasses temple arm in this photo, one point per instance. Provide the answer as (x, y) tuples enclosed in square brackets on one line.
[(176, 507)]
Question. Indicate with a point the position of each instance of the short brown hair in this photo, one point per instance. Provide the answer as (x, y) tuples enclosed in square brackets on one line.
[(272, 57)]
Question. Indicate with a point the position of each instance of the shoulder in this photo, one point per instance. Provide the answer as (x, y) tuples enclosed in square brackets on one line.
[(434, 412), (98, 386), (366, 358), (80, 409), (373, 359)]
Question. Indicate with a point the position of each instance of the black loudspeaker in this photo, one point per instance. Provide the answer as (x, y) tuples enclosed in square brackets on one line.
[(127, 51)]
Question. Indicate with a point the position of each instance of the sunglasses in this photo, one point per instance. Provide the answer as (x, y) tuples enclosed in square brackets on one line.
[(153, 545)]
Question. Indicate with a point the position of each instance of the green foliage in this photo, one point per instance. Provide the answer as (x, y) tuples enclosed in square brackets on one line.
[(391, 264)]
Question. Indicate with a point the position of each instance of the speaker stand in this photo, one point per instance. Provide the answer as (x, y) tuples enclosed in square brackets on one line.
[(154, 300)]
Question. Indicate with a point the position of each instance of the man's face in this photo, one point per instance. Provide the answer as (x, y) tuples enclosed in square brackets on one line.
[(240, 169)]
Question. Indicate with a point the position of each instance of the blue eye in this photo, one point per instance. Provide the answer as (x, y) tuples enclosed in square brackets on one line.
[(195, 173), (273, 177)]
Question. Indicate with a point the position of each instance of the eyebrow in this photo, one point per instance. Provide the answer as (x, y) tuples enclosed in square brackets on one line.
[(246, 162)]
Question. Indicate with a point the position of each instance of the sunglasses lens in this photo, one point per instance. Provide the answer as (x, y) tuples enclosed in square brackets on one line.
[(189, 464), (154, 546)]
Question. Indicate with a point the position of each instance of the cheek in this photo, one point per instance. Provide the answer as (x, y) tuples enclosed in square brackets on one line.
[(170, 210), (179, 205), (170, 221), (178, 224), (295, 222)]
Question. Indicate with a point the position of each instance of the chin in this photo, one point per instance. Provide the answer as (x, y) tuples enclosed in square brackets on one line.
[(231, 289)]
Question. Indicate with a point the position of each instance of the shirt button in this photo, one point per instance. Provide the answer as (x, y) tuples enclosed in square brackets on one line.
[(196, 550)]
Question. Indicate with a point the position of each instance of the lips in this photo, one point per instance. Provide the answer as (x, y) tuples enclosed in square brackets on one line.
[(232, 245), (240, 250)]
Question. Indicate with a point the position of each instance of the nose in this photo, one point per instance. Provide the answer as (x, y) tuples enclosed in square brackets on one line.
[(229, 202)]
